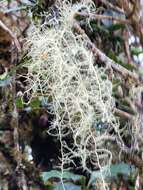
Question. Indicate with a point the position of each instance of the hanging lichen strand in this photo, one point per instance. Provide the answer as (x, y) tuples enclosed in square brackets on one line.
[(62, 69)]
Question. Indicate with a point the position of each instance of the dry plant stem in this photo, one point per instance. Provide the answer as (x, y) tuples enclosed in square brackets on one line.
[(109, 62), (127, 49), (110, 5), (2, 25), (122, 114), (95, 17)]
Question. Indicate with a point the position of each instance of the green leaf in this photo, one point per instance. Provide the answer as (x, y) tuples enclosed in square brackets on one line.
[(122, 168), (19, 103), (113, 171), (136, 51), (67, 186), (98, 28), (35, 103), (116, 83), (115, 27), (5, 82), (57, 174), (112, 56)]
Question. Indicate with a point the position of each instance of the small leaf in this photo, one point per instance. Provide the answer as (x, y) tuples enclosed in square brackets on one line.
[(57, 174), (67, 186), (98, 28), (118, 61), (113, 171), (5, 82), (19, 103), (35, 103), (136, 51), (115, 27), (116, 83)]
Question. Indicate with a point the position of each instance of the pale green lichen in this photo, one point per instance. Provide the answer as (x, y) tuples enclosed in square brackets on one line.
[(63, 69)]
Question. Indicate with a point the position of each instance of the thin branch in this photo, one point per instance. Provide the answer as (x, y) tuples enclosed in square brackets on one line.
[(110, 5), (2, 25), (127, 49), (95, 17), (122, 114), (105, 59)]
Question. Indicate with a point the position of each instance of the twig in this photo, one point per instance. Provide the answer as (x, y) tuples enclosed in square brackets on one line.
[(127, 49), (105, 59), (14, 9), (110, 5), (101, 17), (2, 25), (122, 114)]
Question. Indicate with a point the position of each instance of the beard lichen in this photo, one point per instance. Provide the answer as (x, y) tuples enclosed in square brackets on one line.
[(62, 69)]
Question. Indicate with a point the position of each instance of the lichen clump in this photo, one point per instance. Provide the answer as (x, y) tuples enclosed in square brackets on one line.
[(62, 69)]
